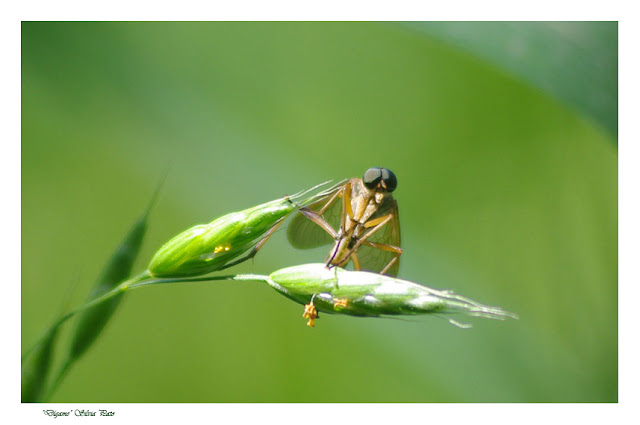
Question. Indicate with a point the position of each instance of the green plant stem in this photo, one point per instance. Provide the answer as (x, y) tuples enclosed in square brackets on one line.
[(138, 281), (133, 283), (120, 288)]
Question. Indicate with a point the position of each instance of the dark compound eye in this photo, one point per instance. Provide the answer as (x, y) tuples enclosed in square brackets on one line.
[(372, 177), (377, 177), (389, 180)]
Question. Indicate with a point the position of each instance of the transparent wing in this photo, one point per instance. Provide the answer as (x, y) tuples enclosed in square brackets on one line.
[(305, 234), (375, 259)]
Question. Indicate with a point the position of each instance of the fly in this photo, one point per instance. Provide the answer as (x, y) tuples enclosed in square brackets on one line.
[(360, 217)]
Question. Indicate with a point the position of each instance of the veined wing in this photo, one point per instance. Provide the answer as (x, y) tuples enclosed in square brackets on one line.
[(376, 259), (305, 234)]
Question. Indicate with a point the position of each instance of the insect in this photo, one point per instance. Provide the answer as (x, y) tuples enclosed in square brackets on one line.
[(360, 217)]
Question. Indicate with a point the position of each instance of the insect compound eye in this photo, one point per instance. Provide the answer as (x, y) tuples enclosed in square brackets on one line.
[(389, 179), (372, 177)]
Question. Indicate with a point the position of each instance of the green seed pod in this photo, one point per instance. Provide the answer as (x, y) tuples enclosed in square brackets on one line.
[(209, 247), (359, 293)]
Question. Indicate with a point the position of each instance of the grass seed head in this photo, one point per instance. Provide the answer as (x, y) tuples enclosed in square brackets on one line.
[(209, 247), (206, 248), (358, 293)]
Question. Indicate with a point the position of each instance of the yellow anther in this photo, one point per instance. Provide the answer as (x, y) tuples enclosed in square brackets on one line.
[(221, 248), (310, 313), (340, 302)]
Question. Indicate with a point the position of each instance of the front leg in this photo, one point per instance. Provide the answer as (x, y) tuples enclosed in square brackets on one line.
[(320, 221)]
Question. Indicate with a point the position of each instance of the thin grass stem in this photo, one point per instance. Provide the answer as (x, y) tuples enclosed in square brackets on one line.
[(135, 282)]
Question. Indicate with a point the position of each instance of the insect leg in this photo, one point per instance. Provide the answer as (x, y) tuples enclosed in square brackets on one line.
[(386, 247), (388, 266), (346, 205), (377, 225), (317, 219), (347, 214), (376, 221), (356, 261)]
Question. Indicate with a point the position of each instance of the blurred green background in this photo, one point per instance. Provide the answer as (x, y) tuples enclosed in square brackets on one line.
[(504, 146)]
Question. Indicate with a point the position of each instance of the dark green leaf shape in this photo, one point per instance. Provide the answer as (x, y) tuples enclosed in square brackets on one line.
[(576, 62), (91, 322), (35, 370)]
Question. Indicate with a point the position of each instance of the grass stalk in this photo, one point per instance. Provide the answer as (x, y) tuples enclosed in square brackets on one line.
[(143, 279)]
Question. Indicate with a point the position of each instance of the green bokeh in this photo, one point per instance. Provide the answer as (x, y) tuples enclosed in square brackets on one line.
[(506, 196)]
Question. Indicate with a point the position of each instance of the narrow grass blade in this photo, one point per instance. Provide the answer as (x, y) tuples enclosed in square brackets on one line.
[(91, 322), (37, 362), (35, 369)]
